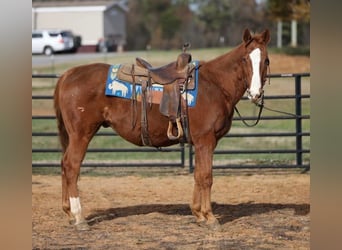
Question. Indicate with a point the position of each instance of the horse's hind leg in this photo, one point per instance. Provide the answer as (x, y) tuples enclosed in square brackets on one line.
[(71, 164)]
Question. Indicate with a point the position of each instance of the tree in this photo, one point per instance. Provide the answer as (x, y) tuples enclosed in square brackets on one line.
[(216, 14), (157, 23), (278, 10), (295, 10), (245, 14), (138, 34), (300, 10)]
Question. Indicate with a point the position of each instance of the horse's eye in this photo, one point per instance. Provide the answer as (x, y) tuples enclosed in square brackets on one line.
[(267, 61)]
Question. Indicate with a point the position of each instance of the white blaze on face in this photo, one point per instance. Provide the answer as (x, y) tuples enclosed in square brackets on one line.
[(255, 86)]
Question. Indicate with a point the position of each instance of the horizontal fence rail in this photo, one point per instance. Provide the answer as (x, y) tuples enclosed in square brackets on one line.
[(187, 152), (298, 133)]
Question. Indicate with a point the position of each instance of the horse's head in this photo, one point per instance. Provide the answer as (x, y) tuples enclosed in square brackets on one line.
[(255, 63)]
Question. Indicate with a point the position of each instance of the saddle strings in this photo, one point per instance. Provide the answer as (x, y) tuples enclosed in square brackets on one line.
[(184, 114), (134, 101)]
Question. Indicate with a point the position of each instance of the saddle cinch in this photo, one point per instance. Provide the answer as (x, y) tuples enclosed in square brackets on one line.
[(175, 77)]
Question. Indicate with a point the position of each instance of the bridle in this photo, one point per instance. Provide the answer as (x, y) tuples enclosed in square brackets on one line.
[(259, 102)]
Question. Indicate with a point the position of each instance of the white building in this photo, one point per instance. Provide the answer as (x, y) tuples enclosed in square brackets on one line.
[(92, 20)]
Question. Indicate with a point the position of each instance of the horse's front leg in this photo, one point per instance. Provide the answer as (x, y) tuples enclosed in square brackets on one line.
[(201, 203)]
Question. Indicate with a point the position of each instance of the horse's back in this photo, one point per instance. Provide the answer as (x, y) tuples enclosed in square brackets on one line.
[(78, 82), (84, 73)]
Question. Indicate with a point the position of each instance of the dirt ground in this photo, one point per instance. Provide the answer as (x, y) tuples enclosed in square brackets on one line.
[(281, 63), (255, 210)]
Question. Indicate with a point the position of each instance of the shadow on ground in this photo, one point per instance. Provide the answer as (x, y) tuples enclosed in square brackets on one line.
[(227, 213)]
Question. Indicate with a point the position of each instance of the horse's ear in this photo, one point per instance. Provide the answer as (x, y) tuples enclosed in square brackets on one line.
[(266, 36), (247, 36)]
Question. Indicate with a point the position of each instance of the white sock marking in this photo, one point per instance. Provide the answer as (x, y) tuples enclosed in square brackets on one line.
[(75, 207)]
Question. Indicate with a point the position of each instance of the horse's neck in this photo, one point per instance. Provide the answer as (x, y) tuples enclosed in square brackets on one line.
[(227, 73)]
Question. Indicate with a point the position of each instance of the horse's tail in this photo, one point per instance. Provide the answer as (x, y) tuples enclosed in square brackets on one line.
[(63, 135)]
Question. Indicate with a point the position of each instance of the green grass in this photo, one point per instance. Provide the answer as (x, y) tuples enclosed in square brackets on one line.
[(278, 86)]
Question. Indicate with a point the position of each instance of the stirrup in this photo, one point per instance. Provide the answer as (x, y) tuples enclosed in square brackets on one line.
[(179, 127)]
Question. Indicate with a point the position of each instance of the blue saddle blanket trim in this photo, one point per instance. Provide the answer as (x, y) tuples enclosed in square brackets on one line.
[(123, 89)]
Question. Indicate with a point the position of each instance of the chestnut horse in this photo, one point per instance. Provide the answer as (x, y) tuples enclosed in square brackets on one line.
[(82, 108)]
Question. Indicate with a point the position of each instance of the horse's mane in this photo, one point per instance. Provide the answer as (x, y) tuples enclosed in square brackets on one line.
[(232, 54)]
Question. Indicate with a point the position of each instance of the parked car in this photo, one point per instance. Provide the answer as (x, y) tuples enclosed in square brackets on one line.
[(49, 42)]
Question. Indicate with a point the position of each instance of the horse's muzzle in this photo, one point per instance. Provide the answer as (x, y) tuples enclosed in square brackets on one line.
[(256, 99)]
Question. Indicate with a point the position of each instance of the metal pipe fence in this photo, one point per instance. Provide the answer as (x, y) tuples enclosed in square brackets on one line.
[(298, 134), (186, 152)]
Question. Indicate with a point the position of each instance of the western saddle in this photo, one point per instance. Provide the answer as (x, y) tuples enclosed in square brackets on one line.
[(174, 77)]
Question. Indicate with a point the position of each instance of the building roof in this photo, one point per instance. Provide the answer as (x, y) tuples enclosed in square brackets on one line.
[(105, 4)]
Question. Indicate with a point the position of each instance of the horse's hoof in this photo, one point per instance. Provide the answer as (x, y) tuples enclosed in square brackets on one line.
[(201, 223), (82, 226), (72, 221), (214, 226)]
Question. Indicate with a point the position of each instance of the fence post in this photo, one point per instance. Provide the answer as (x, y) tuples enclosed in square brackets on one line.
[(191, 164), (182, 154), (299, 144)]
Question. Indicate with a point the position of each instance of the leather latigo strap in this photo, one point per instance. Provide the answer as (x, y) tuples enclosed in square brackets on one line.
[(175, 77), (144, 121)]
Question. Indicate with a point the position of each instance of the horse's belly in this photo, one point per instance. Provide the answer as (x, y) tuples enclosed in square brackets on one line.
[(127, 120)]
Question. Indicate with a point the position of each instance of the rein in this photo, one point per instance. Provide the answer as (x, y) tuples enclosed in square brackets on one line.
[(281, 112), (261, 107)]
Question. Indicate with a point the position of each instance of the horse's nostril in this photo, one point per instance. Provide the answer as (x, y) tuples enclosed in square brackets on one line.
[(256, 97)]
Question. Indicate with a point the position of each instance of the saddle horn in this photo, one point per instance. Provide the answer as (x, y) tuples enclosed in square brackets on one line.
[(186, 46)]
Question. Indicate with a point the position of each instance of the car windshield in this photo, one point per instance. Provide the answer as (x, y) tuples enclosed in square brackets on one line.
[(53, 34), (66, 34)]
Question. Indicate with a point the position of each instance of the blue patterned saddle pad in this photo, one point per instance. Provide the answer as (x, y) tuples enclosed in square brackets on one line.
[(119, 88)]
